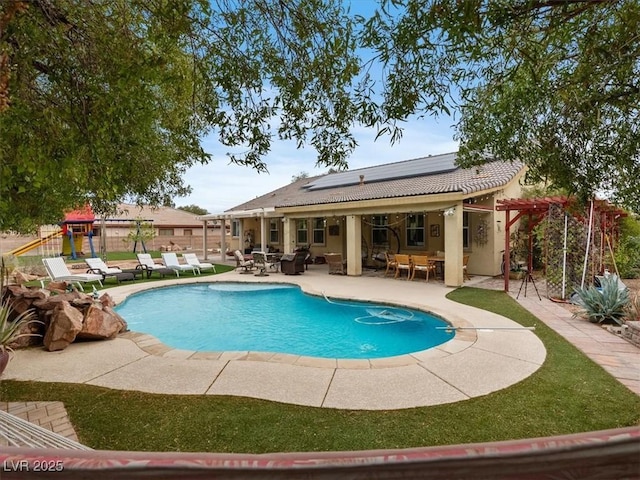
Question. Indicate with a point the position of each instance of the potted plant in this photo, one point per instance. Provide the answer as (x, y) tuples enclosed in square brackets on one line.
[(12, 329)]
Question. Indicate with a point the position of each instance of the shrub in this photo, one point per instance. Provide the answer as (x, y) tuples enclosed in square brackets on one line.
[(605, 305)]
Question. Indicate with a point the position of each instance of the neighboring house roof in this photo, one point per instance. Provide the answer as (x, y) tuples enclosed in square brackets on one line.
[(161, 216), (420, 176)]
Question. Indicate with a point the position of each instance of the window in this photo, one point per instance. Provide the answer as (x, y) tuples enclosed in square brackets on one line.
[(274, 236), (415, 230), (379, 232), (187, 232), (465, 230), (301, 232), (235, 228), (318, 231), (165, 232)]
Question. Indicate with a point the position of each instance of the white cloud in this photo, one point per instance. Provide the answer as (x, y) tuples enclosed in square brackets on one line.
[(221, 185)]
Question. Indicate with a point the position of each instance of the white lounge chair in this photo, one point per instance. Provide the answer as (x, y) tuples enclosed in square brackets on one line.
[(148, 265), (192, 259), (97, 265), (58, 272), (171, 261)]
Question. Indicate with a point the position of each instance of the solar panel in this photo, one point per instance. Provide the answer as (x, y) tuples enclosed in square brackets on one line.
[(409, 168)]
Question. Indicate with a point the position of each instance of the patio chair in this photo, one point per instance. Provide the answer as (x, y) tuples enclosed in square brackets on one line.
[(465, 274), (421, 263), (403, 262), (58, 272), (147, 264), (192, 259), (246, 265), (391, 263), (171, 261), (336, 264), (261, 263), (293, 263)]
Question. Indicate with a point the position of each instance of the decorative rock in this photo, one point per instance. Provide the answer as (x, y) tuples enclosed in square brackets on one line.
[(99, 324), (53, 301), (65, 325), (57, 286), (123, 323), (21, 278), (107, 301)]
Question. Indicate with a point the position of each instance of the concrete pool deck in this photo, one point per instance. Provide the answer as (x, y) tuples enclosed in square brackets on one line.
[(474, 363)]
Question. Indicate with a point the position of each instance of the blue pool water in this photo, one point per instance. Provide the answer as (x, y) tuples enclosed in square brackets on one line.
[(278, 318)]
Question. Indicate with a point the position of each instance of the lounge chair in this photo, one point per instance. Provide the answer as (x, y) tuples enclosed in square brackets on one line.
[(336, 264), (421, 263), (147, 264), (58, 272), (171, 261), (403, 262), (192, 259), (246, 265), (96, 265)]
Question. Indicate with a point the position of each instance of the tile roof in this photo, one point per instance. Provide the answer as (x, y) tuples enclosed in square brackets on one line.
[(466, 181), (161, 216)]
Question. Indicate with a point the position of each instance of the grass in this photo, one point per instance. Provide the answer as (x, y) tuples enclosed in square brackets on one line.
[(568, 394)]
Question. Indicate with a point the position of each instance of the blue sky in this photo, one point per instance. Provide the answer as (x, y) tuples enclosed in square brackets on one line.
[(220, 185)]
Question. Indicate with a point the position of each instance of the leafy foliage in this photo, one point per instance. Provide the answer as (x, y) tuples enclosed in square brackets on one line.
[(195, 209), (101, 101), (554, 84), (609, 304), (109, 100)]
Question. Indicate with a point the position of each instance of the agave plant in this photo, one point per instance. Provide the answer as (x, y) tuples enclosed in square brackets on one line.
[(605, 305), (10, 329)]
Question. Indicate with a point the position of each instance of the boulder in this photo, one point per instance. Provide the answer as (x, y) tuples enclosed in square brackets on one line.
[(66, 323), (51, 302), (21, 278), (57, 286), (107, 301), (99, 324)]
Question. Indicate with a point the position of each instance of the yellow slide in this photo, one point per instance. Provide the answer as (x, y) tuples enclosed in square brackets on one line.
[(35, 243)]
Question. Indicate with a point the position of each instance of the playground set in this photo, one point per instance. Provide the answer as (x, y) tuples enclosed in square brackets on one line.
[(77, 225)]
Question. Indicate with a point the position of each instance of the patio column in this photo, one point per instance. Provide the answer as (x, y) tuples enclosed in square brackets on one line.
[(264, 222), (453, 251), (354, 245), (204, 238), (288, 242), (223, 240)]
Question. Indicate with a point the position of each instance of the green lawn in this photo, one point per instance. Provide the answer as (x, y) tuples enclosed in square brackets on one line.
[(568, 394)]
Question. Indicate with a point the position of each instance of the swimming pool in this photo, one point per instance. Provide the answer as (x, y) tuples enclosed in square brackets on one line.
[(278, 318)]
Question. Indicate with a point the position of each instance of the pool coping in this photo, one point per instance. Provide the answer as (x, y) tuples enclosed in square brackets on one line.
[(474, 363)]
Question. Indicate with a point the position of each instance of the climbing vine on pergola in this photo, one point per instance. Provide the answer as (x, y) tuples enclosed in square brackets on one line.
[(578, 238)]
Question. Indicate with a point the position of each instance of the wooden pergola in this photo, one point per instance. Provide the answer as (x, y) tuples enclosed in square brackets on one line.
[(537, 208)]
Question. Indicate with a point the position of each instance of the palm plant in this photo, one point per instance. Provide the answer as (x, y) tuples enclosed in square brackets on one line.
[(605, 305)]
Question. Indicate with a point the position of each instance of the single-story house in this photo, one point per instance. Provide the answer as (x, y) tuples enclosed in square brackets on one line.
[(425, 204)]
